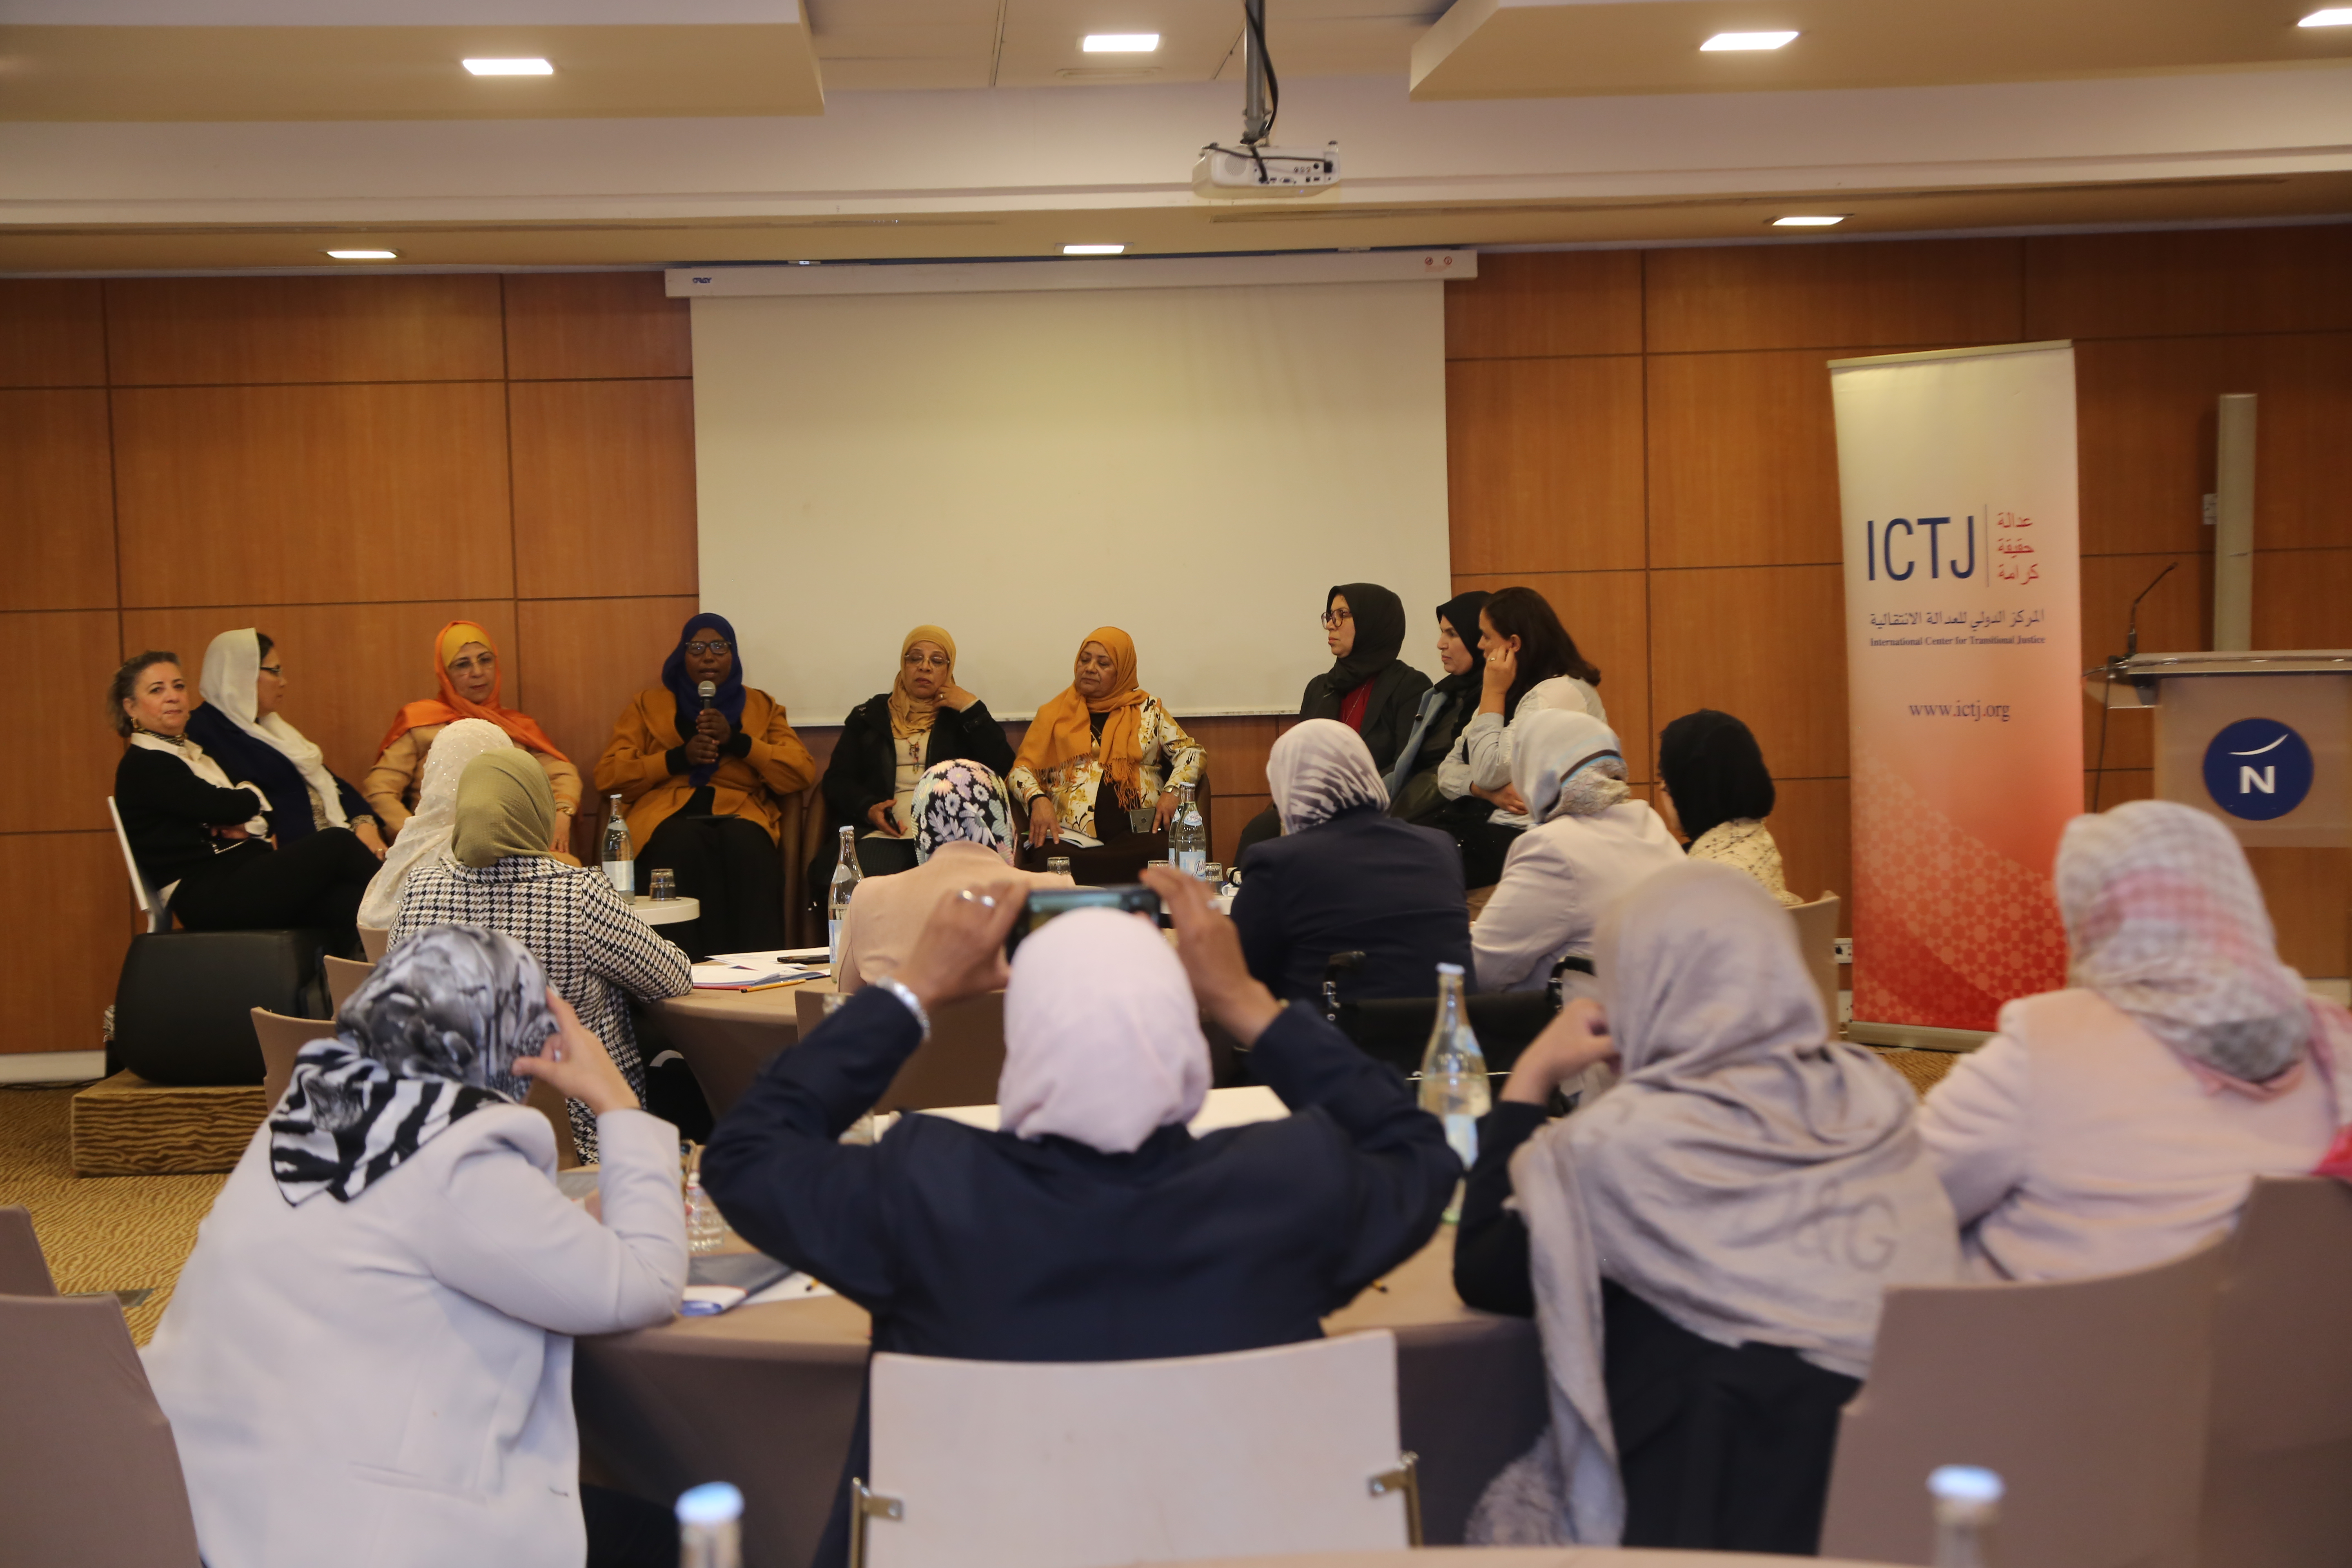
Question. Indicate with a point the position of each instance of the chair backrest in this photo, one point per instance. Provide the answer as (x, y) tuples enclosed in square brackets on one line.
[(281, 1039), (345, 975), (800, 835), (88, 1474), (2087, 1397), (159, 917), (2278, 1462), (959, 1065), (1817, 924), (24, 1271), (1073, 1464), (375, 941), (1395, 1029), (544, 1098)]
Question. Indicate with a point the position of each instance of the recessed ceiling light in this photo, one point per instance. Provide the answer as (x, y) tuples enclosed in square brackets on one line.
[(1810, 220), (1121, 43), (2333, 16), (1093, 249), (509, 67), (366, 254), (1745, 41)]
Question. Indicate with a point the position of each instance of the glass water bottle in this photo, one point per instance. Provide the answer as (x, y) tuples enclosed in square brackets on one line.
[(619, 857), (1188, 836), (1453, 1086), (845, 877), (1968, 1505)]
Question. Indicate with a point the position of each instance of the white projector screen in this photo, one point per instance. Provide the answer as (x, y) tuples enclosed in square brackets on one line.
[(1195, 464)]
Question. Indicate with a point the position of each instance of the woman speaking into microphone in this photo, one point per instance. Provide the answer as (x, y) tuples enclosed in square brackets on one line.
[(699, 761)]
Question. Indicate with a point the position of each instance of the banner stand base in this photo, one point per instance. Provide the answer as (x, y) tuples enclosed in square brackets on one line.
[(1917, 1036)]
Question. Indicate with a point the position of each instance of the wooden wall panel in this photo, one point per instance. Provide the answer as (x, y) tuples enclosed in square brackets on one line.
[(1765, 643), (2192, 280), (2145, 413), (52, 332), (2309, 893), (1742, 459), (59, 708), (56, 500), (2303, 598), (565, 326), (312, 494), (348, 667), (1607, 613), (603, 486), (1911, 295), (1812, 821), (1544, 464), (581, 661), (1544, 305), (2176, 616), (61, 938), (201, 332)]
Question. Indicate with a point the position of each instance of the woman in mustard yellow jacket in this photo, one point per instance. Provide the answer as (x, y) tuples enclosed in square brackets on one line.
[(700, 779)]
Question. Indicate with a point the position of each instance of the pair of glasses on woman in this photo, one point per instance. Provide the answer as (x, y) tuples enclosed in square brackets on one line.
[(699, 648), (1331, 618)]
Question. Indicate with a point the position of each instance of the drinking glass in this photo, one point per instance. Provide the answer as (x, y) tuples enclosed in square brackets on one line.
[(665, 885)]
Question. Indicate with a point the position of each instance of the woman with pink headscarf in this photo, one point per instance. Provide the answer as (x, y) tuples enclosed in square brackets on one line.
[(2121, 1122), (1092, 1226)]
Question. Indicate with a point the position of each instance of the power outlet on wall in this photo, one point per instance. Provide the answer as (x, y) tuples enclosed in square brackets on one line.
[(1844, 949)]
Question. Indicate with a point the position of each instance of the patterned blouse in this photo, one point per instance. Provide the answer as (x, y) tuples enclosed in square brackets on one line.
[(1170, 757), (596, 952), (1746, 844)]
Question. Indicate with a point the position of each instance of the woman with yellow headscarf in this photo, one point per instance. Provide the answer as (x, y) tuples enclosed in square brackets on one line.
[(1101, 749), (887, 743), (467, 666)]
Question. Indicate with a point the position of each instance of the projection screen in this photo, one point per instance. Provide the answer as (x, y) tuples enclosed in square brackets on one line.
[(1196, 464)]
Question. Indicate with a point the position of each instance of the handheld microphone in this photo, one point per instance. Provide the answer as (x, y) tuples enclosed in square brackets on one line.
[(709, 689)]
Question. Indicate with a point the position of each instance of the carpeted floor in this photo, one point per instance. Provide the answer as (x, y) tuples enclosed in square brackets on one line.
[(99, 1233)]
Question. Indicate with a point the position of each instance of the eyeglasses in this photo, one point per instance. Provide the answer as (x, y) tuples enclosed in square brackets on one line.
[(276, 670), (698, 649), (1331, 618)]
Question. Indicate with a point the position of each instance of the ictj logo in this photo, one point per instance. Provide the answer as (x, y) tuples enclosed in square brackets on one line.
[(2257, 769)]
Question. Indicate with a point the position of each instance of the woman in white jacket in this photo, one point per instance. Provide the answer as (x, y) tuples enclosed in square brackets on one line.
[(368, 1359), (1590, 846)]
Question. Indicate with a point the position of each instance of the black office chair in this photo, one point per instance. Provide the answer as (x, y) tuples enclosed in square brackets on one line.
[(1396, 1030), (183, 1005)]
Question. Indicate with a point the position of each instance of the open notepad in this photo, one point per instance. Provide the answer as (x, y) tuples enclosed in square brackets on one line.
[(718, 1281), (746, 970)]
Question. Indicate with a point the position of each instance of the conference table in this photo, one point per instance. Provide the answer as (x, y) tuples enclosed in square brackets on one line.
[(766, 1396)]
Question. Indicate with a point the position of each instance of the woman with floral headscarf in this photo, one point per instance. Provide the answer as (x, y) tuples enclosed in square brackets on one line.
[(467, 666), (963, 838), (369, 1354), (701, 778), (2121, 1122), (1097, 750)]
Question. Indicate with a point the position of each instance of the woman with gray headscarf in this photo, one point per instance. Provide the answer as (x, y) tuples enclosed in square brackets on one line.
[(369, 1354), (2121, 1122), (1704, 1247), (1592, 842), (1346, 876)]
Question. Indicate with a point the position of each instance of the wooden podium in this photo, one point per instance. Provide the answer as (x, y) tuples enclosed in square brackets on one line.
[(2262, 740)]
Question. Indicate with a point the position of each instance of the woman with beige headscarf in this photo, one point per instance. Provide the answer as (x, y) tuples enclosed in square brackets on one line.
[(1092, 1224), (2121, 1121), (889, 740), (497, 873)]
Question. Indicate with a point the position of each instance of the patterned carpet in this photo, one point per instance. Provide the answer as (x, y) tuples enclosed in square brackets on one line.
[(99, 1233)]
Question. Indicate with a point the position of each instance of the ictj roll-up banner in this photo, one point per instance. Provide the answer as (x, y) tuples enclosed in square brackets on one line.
[(1955, 477)]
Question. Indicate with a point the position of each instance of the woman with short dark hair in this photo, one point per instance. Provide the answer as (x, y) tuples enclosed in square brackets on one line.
[(203, 840), (1718, 792)]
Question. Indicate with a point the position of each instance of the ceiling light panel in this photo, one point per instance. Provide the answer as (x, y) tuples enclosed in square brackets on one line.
[(2333, 16), (509, 67), (1743, 42), (365, 255), (1093, 249), (1810, 220), (1119, 43)]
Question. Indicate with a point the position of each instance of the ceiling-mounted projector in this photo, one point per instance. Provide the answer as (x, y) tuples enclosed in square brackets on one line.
[(1253, 169)]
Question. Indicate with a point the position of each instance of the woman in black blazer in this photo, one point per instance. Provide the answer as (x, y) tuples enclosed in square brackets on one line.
[(888, 741), (1346, 876), (1092, 1226)]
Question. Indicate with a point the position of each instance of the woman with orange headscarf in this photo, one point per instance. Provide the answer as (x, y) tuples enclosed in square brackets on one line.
[(1101, 749), (466, 663)]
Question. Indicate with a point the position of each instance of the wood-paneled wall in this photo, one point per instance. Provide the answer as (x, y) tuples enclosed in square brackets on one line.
[(348, 462), (1646, 436), (345, 463)]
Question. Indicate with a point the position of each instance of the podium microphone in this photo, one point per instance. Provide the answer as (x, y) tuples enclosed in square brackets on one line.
[(2114, 668)]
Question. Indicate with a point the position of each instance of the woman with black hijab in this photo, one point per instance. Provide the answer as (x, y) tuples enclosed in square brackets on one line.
[(1718, 792), (1444, 709), (1367, 688)]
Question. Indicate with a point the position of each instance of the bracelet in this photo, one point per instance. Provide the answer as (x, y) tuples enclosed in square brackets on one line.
[(912, 1003)]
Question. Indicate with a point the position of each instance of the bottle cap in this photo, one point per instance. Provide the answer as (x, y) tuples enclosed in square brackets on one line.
[(1964, 1483), (1449, 969), (713, 1502)]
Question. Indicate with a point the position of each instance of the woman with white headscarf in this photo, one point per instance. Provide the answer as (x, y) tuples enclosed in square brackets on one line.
[(1346, 876), (368, 1356), (243, 685), (1092, 1226), (963, 838), (425, 839), (2121, 1122), (1590, 845), (1706, 1247)]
